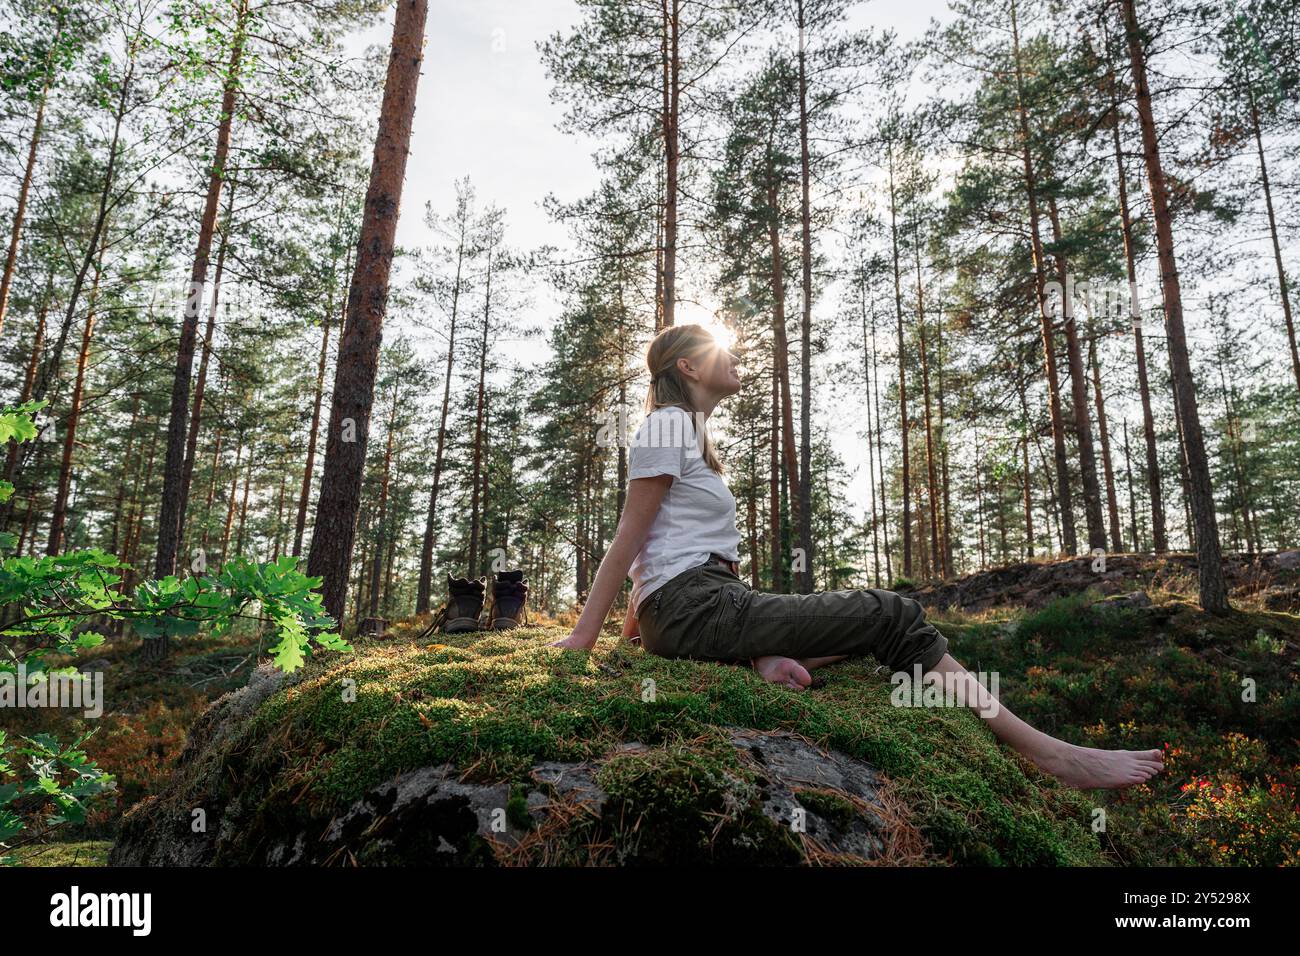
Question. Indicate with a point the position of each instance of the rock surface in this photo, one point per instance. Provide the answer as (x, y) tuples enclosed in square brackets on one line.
[(810, 798)]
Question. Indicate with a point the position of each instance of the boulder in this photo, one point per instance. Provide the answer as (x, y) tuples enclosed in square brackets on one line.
[(500, 750)]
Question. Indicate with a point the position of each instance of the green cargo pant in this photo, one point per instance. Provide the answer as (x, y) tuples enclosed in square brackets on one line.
[(707, 613)]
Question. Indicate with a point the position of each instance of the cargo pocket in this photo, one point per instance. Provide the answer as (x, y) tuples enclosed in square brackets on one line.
[(726, 622)]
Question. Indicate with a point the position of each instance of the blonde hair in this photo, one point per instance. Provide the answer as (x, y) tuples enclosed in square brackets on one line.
[(667, 385)]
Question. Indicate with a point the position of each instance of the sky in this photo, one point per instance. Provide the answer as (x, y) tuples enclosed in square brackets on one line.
[(484, 109)]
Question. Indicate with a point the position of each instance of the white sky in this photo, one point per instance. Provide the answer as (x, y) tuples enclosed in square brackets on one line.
[(484, 109)]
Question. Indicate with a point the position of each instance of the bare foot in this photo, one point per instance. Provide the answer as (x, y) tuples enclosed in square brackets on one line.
[(784, 671), (1087, 768)]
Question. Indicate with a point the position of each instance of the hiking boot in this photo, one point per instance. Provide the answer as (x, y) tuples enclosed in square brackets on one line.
[(464, 605), (509, 592)]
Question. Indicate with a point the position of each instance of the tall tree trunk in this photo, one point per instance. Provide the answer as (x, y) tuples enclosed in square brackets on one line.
[(230, 505), (20, 210), (979, 498), (200, 383), (318, 396), (212, 489), (1213, 589), (782, 349), (1078, 394), (1272, 231), (243, 507), (932, 478), (424, 588), (171, 511), (381, 526), (1112, 504), (354, 381), (124, 477), (671, 114), (475, 518), (1132, 498), (1024, 464), (277, 541), (774, 478), (1064, 498), (942, 438), (880, 455), (139, 494), (29, 381), (902, 371), (1160, 540), (805, 330), (751, 510), (1184, 476), (1234, 450), (50, 368), (868, 383), (59, 514)]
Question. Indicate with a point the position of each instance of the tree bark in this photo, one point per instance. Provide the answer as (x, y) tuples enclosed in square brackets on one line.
[(880, 454), (381, 528), (200, 383), (805, 329), (1112, 504), (171, 510), (1078, 394), (1064, 498), (671, 114), (1213, 588), (318, 396), (1160, 540), (868, 383), (782, 348), (932, 487), (475, 519), (1272, 231), (59, 513), (20, 210), (345, 450), (424, 588), (902, 373)]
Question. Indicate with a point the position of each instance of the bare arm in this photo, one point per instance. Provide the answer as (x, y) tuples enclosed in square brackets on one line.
[(644, 495), (631, 627)]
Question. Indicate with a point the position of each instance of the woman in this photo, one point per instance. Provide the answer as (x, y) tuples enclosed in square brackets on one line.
[(677, 537)]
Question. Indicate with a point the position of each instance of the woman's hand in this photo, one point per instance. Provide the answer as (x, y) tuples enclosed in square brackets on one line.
[(576, 641)]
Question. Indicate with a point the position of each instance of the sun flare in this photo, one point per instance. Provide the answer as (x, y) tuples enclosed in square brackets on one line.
[(707, 316)]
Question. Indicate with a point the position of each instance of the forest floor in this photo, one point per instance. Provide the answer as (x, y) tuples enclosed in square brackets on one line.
[(1221, 696)]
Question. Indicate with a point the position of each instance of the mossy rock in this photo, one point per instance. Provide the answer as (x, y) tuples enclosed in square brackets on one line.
[(496, 749)]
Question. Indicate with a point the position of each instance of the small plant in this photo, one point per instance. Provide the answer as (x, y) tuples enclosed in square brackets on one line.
[(1265, 645), (50, 604), (37, 774)]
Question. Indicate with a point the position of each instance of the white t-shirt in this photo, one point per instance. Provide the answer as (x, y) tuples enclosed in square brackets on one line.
[(698, 513)]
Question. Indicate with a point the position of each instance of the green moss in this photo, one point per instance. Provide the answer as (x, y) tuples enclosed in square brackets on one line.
[(498, 705), (690, 803), (73, 853), (828, 805)]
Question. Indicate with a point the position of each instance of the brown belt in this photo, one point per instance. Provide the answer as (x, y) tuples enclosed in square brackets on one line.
[(727, 563)]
